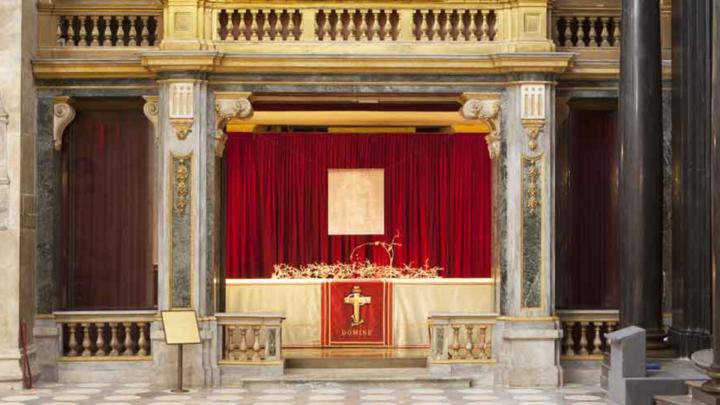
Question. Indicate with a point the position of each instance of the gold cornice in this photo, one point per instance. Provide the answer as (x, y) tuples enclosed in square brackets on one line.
[(155, 62), (604, 70), (94, 69)]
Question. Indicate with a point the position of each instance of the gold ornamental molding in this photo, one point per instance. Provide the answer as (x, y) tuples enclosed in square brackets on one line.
[(229, 106), (487, 108), (63, 114)]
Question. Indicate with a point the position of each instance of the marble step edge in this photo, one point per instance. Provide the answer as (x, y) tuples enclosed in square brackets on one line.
[(673, 400)]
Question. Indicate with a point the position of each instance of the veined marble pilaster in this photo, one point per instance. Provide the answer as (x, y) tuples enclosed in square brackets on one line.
[(184, 130), (529, 332)]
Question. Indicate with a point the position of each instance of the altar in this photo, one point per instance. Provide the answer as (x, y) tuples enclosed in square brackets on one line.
[(359, 312)]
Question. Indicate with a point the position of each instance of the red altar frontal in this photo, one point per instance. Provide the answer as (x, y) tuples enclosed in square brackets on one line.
[(367, 313), (356, 313)]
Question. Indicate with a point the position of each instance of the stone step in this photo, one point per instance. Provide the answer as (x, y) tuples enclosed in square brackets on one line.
[(350, 377), (355, 362), (673, 400)]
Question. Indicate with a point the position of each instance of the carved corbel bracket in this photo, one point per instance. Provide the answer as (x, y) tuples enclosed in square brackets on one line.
[(229, 106), (487, 110), (151, 110), (533, 127), (63, 114)]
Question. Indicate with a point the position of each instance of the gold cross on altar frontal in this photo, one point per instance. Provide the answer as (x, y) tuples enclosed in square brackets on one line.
[(356, 299)]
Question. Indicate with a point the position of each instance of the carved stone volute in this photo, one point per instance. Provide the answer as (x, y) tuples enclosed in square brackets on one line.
[(63, 114), (487, 110), (229, 106)]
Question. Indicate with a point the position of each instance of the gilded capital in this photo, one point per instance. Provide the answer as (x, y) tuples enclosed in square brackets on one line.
[(63, 114), (487, 110)]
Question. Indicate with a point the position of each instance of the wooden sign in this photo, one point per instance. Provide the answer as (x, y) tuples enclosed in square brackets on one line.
[(181, 327)]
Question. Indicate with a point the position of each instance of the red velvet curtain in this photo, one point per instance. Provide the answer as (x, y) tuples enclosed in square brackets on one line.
[(591, 277), (109, 210), (437, 196)]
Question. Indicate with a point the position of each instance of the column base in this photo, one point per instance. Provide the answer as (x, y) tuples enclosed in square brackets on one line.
[(530, 355), (11, 376), (687, 341), (705, 393)]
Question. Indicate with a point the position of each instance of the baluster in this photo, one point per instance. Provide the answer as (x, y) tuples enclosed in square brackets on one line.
[(252, 26), (604, 34), (583, 338), (72, 341), (95, 32), (581, 32), (455, 346), (229, 335), (569, 340), (466, 25), (616, 32), (487, 345), (484, 28), (107, 32), (442, 23), (370, 25), (243, 343), (132, 31), (86, 343), (128, 343), (59, 38), (120, 32), (426, 28), (469, 344), (100, 341), (568, 32), (256, 343), (145, 32), (142, 340), (593, 36), (482, 341), (596, 339), (114, 343), (477, 20), (83, 32)]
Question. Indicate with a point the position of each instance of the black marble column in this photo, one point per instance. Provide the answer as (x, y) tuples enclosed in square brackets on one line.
[(714, 372), (691, 305), (640, 185)]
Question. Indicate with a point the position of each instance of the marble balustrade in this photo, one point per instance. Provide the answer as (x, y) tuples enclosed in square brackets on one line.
[(251, 337), (585, 332), (101, 335), (461, 337)]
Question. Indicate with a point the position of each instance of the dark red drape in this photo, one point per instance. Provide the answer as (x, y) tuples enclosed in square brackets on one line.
[(437, 196), (109, 210), (590, 278)]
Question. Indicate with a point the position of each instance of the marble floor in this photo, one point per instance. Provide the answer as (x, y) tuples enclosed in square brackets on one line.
[(141, 393)]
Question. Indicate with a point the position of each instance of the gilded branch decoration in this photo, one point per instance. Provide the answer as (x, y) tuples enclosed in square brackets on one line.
[(229, 106), (532, 225), (487, 110), (182, 174)]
